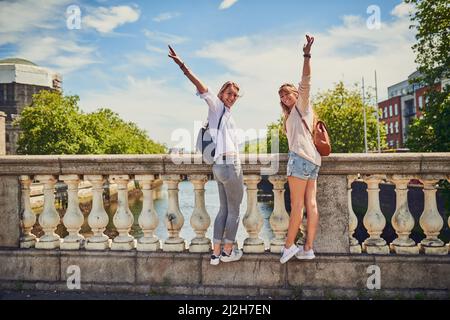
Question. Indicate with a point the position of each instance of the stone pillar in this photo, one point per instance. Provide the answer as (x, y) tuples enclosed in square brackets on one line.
[(374, 220), (431, 221), (98, 218), (148, 219), (123, 218), (279, 219), (27, 240), (73, 218), (355, 247), (2, 133), (174, 219), (253, 220), (200, 219), (49, 218), (402, 220)]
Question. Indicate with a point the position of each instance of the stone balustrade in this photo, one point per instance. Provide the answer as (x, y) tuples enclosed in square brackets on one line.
[(338, 221)]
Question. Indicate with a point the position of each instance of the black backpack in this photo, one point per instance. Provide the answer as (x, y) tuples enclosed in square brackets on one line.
[(205, 144)]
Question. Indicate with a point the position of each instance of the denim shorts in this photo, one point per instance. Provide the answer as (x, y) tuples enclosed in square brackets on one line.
[(301, 168)]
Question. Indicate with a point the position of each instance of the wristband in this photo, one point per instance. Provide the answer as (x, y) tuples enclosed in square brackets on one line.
[(307, 55)]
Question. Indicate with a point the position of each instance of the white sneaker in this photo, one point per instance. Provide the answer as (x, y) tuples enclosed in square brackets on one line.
[(234, 255), (305, 255), (214, 260), (288, 253)]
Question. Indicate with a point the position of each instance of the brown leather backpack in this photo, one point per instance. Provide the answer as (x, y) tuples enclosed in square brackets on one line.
[(319, 135)]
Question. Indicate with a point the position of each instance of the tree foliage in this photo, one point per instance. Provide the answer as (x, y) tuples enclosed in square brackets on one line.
[(54, 124), (431, 19)]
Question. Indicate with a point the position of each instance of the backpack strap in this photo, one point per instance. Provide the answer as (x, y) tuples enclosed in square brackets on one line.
[(304, 122)]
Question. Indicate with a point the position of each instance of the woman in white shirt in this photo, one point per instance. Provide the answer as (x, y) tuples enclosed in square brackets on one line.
[(226, 168), (304, 160)]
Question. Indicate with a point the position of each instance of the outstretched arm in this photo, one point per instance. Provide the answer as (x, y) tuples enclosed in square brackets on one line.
[(198, 84), (307, 56), (305, 85)]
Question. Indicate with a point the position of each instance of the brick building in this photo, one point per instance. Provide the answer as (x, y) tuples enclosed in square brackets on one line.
[(405, 102), (19, 80)]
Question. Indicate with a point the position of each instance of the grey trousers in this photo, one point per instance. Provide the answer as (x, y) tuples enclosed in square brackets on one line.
[(231, 190)]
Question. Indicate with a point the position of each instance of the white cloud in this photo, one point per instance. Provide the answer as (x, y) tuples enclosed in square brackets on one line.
[(62, 55), (226, 4), (403, 10), (166, 16), (164, 37), (105, 20)]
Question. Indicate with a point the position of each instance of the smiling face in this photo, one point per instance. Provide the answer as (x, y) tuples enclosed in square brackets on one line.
[(229, 94), (288, 96)]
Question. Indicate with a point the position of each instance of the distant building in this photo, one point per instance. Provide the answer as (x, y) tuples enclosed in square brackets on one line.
[(19, 80), (405, 102)]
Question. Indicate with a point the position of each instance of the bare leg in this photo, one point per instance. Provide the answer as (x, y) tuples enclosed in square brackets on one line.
[(313, 214), (297, 189)]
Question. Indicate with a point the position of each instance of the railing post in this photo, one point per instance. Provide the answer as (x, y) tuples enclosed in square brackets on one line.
[(174, 219), (253, 220), (49, 218), (402, 220), (374, 220), (73, 218), (279, 219), (148, 219), (98, 218), (355, 247), (431, 221), (27, 240), (200, 219), (123, 218)]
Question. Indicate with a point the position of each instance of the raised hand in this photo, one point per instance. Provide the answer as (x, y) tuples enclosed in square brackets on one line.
[(308, 45), (175, 57)]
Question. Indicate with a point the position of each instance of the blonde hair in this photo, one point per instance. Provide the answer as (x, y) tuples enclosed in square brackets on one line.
[(225, 86), (290, 88)]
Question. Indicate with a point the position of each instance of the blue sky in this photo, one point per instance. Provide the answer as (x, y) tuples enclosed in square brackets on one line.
[(118, 57)]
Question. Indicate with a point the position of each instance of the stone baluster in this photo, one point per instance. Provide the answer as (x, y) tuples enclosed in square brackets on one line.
[(374, 220), (148, 219), (253, 220), (27, 240), (174, 219), (123, 218), (200, 219), (98, 218), (402, 220), (431, 221), (73, 218), (49, 218), (279, 219), (303, 231), (355, 247)]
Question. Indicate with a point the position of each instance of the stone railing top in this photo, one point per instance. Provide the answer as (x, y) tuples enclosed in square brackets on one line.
[(335, 164)]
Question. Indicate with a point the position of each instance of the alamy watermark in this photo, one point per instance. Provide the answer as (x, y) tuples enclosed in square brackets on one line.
[(74, 278), (73, 17), (373, 22), (374, 280)]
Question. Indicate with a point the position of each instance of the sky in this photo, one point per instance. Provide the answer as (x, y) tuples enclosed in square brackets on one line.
[(113, 54)]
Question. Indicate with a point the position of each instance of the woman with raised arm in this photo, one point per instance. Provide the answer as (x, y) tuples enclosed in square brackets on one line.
[(304, 160), (226, 168)]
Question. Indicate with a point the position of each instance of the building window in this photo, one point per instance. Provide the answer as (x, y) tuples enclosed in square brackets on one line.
[(385, 112), (392, 127), (396, 126), (390, 110), (386, 127), (396, 109), (420, 102)]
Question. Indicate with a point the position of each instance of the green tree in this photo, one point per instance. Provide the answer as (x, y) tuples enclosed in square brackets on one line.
[(431, 19), (342, 110), (54, 124)]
